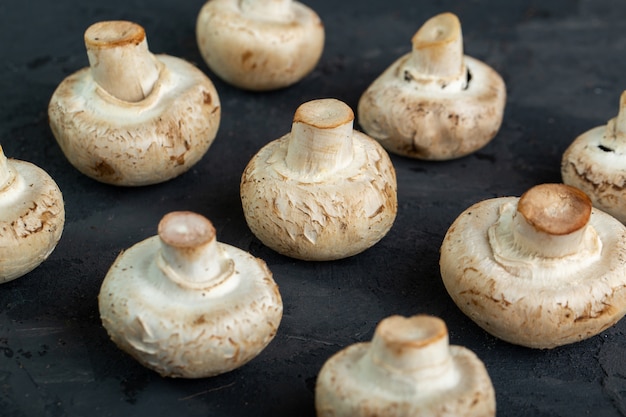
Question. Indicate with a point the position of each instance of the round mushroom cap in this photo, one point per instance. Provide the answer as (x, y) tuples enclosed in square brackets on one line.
[(330, 209), (32, 216), (598, 170), (258, 50), (408, 369), (182, 328), (529, 279), (134, 143), (434, 116)]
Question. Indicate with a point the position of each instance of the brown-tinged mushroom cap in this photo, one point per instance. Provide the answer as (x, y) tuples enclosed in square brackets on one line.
[(595, 162), (186, 305), (408, 369), (540, 271), (323, 191), (133, 118), (434, 103), (32, 216), (259, 45)]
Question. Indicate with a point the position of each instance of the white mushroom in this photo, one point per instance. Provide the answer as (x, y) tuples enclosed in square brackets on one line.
[(32, 215), (259, 44), (434, 103), (596, 163), (186, 305), (133, 118), (323, 191), (409, 369), (542, 270)]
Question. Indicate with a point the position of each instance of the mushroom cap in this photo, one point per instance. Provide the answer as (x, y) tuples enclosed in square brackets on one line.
[(259, 53), (356, 383), (526, 298), (136, 143), (183, 332), (433, 119), (32, 216), (325, 218), (597, 170)]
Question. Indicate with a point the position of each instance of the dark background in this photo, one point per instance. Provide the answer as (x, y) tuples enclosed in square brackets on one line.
[(564, 62)]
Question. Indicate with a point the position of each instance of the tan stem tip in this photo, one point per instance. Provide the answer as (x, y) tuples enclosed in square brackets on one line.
[(555, 209), (185, 229), (112, 34), (438, 47)]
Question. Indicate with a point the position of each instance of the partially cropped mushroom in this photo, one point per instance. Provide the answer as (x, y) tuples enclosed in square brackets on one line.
[(434, 103), (259, 44), (409, 369), (596, 163), (185, 305), (133, 118), (323, 191), (541, 271), (32, 215)]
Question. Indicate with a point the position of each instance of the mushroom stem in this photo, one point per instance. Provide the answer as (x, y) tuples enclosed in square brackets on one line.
[(190, 255), (438, 48), (615, 137), (268, 9), (120, 60), (321, 137), (417, 346), (5, 172), (551, 220)]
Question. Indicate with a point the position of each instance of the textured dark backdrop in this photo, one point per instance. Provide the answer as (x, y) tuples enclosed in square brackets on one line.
[(564, 62)]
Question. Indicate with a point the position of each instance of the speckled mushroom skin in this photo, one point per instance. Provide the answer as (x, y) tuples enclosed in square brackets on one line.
[(597, 170), (32, 216), (328, 219), (189, 334), (433, 124), (259, 54), (538, 303), (133, 144)]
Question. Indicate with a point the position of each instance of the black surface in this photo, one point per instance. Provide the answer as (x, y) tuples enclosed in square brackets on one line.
[(564, 63)]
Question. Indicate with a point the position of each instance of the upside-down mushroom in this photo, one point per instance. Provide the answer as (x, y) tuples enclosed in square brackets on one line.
[(596, 163), (434, 103), (259, 44), (407, 370), (323, 191), (133, 118), (32, 216), (185, 305), (541, 271)]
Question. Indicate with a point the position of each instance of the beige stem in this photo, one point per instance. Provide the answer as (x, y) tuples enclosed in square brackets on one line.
[(268, 9), (551, 220), (189, 251), (5, 172), (416, 345), (321, 137), (615, 137), (438, 48), (120, 60)]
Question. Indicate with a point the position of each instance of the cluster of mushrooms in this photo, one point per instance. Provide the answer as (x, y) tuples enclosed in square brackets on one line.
[(542, 270)]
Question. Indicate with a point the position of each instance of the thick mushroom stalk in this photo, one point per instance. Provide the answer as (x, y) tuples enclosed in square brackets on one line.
[(595, 162), (323, 191), (259, 45), (186, 305), (438, 52), (321, 138), (407, 369), (434, 103), (32, 217), (542, 270), (190, 255), (120, 60)]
